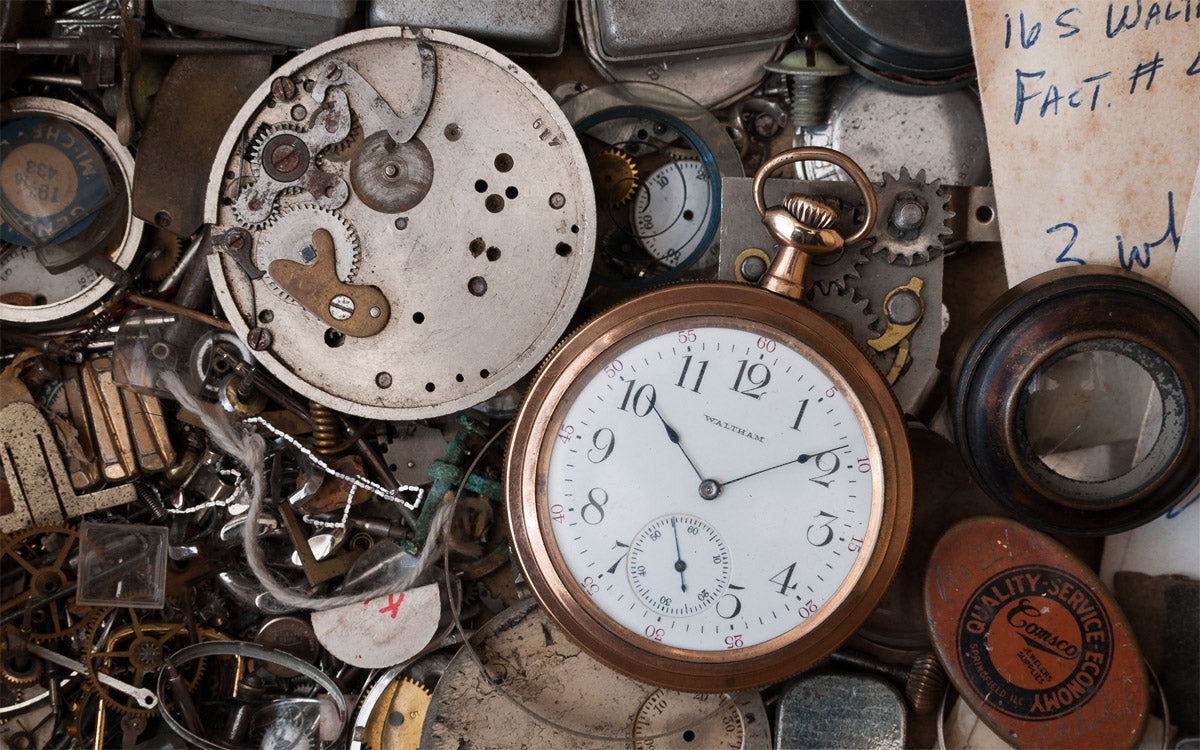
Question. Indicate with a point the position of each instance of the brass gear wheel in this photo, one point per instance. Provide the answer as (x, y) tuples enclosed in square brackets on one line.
[(396, 721), (615, 176), (290, 232), (134, 653), (12, 672), (347, 148), (42, 553), (912, 217), (163, 255)]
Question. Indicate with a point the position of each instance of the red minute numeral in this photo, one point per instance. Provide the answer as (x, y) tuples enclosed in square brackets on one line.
[(655, 634), (565, 434), (556, 513), (687, 337), (589, 585), (614, 368), (864, 465), (807, 609), (765, 344), (734, 641), (855, 544)]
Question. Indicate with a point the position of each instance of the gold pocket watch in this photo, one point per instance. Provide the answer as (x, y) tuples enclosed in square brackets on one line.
[(709, 485)]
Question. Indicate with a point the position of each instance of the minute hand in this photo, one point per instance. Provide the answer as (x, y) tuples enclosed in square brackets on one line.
[(801, 459)]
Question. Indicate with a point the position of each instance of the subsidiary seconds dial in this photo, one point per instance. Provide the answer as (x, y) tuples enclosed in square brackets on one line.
[(678, 565)]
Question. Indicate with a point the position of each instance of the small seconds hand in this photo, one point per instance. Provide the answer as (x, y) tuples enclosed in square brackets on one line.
[(680, 565)]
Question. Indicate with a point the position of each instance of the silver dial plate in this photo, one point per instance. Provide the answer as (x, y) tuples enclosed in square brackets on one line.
[(482, 274)]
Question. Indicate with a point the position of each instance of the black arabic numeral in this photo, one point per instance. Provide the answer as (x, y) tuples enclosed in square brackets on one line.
[(643, 399), (828, 537), (603, 447), (837, 463), (800, 416), (757, 376), (687, 363), (596, 499), (737, 603), (786, 583)]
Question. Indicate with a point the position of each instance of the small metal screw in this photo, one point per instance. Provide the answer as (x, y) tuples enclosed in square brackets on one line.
[(283, 89), (384, 380), (333, 72), (477, 286), (807, 71), (235, 239), (401, 223), (299, 112), (258, 339), (341, 307), (924, 681), (904, 308), (453, 132), (557, 200), (753, 267), (907, 215)]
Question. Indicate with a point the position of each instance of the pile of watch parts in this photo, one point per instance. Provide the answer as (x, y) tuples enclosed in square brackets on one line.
[(289, 302)]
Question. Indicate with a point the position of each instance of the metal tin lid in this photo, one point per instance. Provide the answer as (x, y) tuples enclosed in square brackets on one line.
[(909, 38), (1032, 640)]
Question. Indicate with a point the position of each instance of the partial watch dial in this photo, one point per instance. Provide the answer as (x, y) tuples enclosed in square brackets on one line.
[(671, 211)]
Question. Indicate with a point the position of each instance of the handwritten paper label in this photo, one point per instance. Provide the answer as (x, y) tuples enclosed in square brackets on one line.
[(1093, 119)]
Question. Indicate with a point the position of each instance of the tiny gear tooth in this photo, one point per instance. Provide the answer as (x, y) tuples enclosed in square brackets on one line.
[(915, 231), (615, 175), (411, 700), (827, 274), (345, 149), (166, 249), (291, 231), (254, 157)]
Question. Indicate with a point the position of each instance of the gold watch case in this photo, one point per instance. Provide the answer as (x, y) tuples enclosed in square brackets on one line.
[(565, 372)]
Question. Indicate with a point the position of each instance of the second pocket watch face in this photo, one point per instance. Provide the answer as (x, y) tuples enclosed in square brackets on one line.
[(710, 485)]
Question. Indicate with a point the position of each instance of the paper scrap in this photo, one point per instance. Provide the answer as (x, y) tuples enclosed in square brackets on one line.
[(1092, 112)]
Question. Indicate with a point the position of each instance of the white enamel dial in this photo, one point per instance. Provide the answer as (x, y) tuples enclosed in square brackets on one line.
[(22, 273), (744, 444), (671, 213)]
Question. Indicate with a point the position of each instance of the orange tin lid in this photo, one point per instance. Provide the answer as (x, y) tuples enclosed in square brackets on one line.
[(1032, 640)]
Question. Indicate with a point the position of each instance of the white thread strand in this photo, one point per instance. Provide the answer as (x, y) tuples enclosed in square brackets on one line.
[(249, 449)]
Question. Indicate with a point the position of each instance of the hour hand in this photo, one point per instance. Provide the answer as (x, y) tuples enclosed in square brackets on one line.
[(673, 436)]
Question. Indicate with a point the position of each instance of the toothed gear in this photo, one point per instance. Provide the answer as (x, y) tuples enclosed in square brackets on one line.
[(134, 653), (298, 151), (347, 148), (291, 232), (616, 177), (12, 673), (912, 217), (51, 619), (397, 718), (165, 249), (835, 271), (851, 307)]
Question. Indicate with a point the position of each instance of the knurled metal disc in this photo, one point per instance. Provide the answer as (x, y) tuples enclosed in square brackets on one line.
[(482, 274)]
